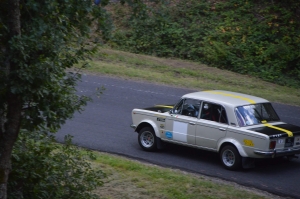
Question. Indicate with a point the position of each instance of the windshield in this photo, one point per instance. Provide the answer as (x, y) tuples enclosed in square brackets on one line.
[(255, 114)]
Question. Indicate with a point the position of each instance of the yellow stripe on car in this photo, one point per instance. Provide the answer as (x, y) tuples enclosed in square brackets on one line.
[(164, 106), (234, 96), (290, 133)]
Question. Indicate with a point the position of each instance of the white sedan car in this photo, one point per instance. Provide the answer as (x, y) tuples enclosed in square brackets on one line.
[(239, 127)]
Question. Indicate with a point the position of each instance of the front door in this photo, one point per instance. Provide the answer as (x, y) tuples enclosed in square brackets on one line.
[(181, 129), (181, 124)]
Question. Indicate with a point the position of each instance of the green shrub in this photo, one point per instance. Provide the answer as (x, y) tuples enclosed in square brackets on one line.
[(44, 169)]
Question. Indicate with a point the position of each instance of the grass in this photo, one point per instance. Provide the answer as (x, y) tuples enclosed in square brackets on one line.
[(131, 179), (181, 73)]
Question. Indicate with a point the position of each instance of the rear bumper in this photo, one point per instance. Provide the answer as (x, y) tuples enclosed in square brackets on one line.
[(278, 153)]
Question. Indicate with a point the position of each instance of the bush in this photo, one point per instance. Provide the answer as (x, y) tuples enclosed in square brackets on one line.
[(260, 38), (44, 169)]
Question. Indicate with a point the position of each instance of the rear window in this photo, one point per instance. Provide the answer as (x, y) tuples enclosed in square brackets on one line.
[(255, 114)]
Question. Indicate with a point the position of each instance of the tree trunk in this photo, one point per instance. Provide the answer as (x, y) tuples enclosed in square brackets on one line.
[(11, 116), (7, 140)]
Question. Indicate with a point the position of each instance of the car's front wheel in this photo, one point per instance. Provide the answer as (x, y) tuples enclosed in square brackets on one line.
[(230, 158), (147, 139)]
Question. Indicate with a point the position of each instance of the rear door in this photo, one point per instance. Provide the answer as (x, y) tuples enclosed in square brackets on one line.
[(212, 125)]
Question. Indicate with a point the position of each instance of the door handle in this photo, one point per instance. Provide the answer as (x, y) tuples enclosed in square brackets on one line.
[(192, 123), (222, 129)]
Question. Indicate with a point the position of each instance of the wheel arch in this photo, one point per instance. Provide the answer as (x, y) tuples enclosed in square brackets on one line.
[(148, 124), (234, 143)]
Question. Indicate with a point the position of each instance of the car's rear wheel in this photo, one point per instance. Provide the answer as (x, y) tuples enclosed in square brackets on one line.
[(147, 139), (230, 158)]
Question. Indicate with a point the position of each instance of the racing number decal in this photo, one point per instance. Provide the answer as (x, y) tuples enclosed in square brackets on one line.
[(180, 131), (248, 142)]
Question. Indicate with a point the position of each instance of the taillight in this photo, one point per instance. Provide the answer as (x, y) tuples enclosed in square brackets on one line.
[(272, 145)]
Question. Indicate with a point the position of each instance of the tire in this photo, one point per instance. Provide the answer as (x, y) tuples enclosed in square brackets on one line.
[(290, 158), (147, 139), (230, 158)]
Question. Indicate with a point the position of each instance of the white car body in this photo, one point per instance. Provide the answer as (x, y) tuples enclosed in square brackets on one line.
[(214, 119)]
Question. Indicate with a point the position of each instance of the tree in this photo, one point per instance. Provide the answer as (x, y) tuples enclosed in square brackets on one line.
[(39, 40)]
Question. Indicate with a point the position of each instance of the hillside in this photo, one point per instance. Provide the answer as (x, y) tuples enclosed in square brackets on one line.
[(257, 38)]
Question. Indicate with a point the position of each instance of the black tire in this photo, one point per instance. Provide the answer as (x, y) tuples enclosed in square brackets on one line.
[(147, 139), (290, 158), (230, 158)]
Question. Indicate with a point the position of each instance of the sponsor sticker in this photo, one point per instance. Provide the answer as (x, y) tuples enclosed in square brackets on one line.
[(169, 135), (161, 119), (248, 142)]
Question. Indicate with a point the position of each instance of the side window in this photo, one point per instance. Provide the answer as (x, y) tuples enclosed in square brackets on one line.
[(178, 107), (213, 112), (191, 107)]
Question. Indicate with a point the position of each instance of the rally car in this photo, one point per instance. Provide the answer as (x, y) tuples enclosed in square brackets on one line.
[(240, 127)]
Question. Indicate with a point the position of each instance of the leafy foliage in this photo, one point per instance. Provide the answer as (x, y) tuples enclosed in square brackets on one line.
[(260, 38), (55, 36), (45, 169), (39, 42)]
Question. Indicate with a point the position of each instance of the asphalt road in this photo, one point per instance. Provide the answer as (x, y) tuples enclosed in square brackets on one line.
[(104, 125)]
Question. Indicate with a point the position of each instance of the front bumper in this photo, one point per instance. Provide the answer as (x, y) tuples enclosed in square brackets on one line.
[(278, 153)]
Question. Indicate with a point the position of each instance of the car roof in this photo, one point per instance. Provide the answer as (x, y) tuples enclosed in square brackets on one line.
[(225, 97)]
